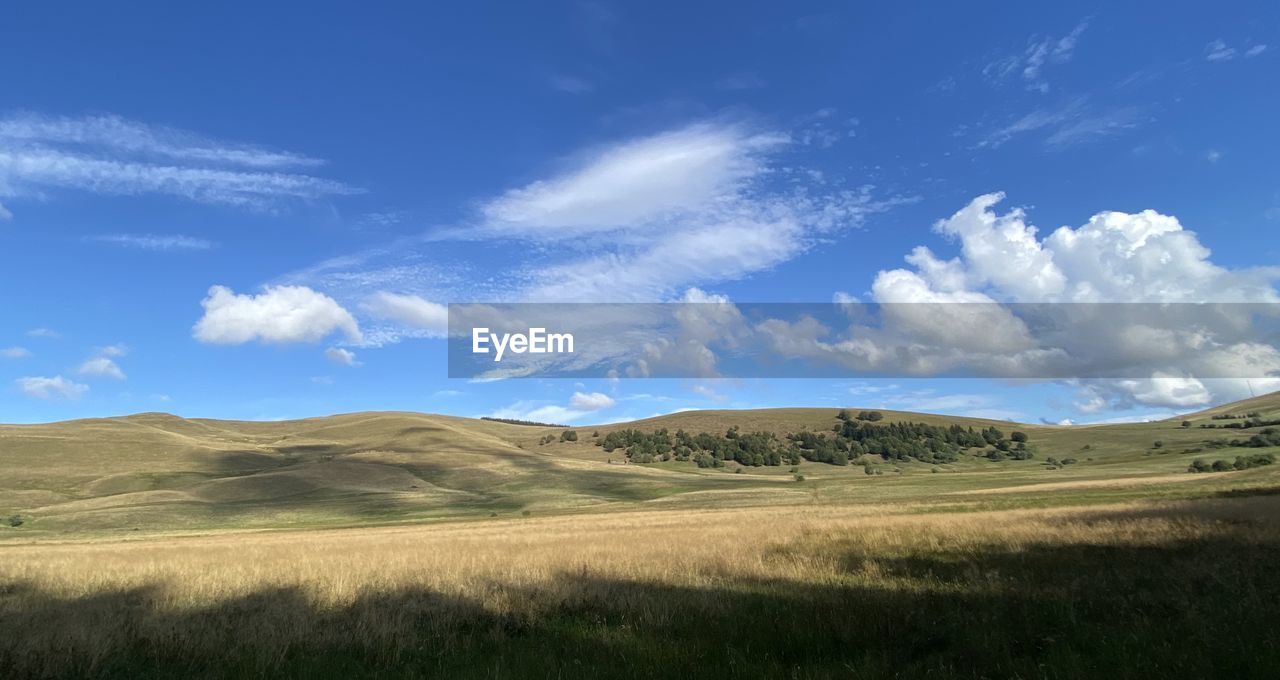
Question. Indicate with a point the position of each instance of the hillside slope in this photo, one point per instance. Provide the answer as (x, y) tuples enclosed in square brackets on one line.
[(158, 472)]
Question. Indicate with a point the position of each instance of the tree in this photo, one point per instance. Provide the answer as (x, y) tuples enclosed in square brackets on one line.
[(1020, 437), (1186, 423)]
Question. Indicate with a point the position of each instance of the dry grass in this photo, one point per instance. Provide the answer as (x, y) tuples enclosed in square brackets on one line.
[(808, 592)]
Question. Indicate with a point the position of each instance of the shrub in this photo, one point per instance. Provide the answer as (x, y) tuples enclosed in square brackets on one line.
[(15, 521), (1018, 436), (569, 436)]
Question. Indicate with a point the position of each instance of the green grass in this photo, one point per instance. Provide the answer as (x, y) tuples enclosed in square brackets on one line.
[(160, 473)]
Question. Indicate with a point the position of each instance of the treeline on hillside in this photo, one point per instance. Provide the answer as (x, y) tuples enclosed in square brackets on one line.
[(513, 421), (849, 439), (1244, 422)]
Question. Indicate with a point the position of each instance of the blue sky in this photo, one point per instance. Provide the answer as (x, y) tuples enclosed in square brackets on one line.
[(247, 212)]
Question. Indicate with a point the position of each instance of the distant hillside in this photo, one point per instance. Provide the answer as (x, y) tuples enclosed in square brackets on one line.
[(158, 472)]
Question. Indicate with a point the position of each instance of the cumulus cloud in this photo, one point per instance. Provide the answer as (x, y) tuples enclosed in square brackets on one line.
[(342, 356), (112, 155), (591, 401), (14, 352), (102, 364), (280, 314), (56, 387), (1114, 257), (101, 367)]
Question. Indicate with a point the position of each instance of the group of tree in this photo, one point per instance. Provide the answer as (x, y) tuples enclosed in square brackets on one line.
[(853, 437), (1240, 463), (1247, 422), (514, 421)]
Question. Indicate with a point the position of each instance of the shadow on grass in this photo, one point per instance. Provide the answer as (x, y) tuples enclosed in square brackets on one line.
[(1206, 607)]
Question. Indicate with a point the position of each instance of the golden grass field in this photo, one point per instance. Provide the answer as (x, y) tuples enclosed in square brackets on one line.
[(1137, 589), (406, 545)]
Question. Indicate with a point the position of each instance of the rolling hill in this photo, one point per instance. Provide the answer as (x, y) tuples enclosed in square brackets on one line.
[(157, 472)]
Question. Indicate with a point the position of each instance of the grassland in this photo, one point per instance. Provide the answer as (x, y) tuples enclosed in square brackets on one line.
[(1131, 590), (409, 545)]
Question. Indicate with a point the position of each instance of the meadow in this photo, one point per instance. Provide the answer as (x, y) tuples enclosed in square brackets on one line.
[(406, 545), (1152, 589)]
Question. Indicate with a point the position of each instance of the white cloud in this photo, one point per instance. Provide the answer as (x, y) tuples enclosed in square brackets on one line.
[(14, 352), (708, 392), (1114, 257), (591, 401), (56, 387), (539, 412), (280, 314), (120, 134), (409, 310), (101, 367), (43, 333), (1029, 64), (1219, 50), (641, 181), (110, 155), (636, 220), (1213, 155), (159, 242), (4, 213), (1068, 124), (116, 350), (341, 356)]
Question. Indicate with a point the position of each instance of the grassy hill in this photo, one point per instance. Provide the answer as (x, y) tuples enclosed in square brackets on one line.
[(413, 555), (157, 472)]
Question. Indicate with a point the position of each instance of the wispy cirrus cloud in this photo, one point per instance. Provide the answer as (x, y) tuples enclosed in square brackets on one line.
[(112, 155), (1071, 123), (639, 219), (158, 242), (1219, 50), (1029, 64)]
